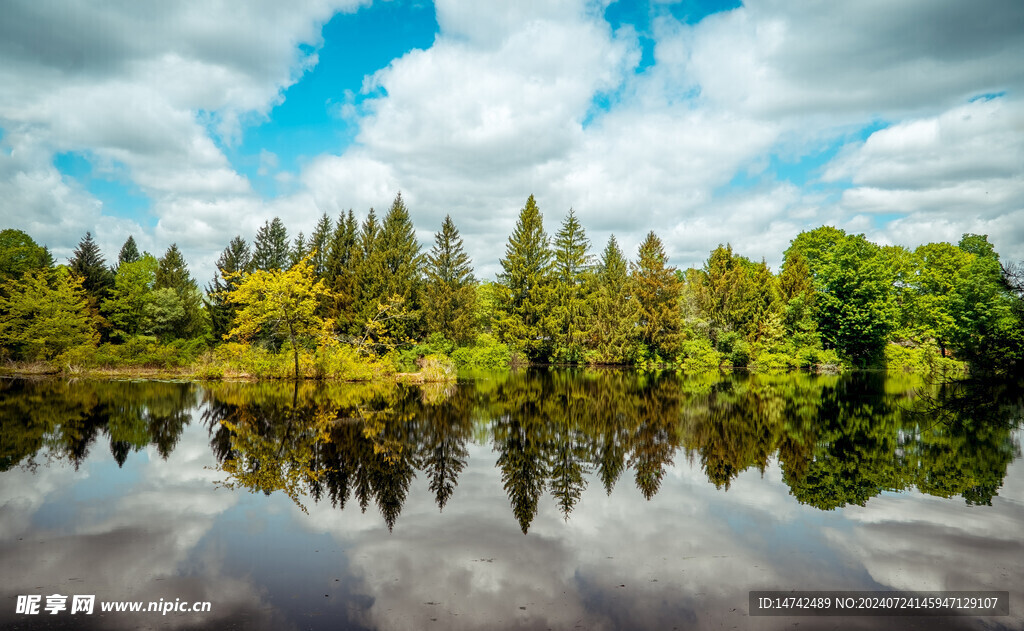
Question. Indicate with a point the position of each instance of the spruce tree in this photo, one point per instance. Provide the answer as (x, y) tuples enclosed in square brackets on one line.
[(270, 249), (450, 297), (401, 267), (232, 265), (129, 252), (172, 275), (341, 274), (655, 289), (319, 245), (611, 326), (299, 250), (369, 272), (572, 288), (88, 264), (525, 290)]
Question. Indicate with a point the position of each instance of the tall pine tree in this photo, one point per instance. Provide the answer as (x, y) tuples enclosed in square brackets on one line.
[(320, 245), (129, 252), (270, 249), (402, 270), (614, 314), (450, 297), (299, 250), (341, 274), (369, 270), (176, 311), (572, 288), (232, 265), (88, 264), (525, 290), (656, 291)]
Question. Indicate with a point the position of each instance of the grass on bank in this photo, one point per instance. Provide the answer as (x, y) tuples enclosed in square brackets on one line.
[(435, 360)]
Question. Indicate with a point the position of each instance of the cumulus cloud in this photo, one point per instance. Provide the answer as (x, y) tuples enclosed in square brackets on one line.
[(955, 172), (514, 98), (153, 91)]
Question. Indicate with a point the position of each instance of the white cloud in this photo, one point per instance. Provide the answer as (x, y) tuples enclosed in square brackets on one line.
[(507, 101), (147, 91)]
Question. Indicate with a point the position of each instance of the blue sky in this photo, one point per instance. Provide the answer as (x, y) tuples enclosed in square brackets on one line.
[(707, 122)]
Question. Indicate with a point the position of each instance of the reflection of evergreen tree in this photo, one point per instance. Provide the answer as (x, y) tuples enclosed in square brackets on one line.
[(446, 428), (522, 469), (569, 448), (68, 418), (839, 440), (521, 431), (654, 440)]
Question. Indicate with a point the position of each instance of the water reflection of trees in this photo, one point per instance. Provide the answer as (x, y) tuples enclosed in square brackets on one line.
[(838, 440), (69, 418)]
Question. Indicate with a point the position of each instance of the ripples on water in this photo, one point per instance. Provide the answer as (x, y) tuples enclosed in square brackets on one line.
[(561, 499)]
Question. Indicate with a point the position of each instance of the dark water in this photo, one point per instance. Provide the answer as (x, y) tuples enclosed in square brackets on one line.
[(549, 499)]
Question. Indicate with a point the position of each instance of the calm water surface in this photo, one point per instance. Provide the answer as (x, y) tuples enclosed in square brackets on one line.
[(543, 499)]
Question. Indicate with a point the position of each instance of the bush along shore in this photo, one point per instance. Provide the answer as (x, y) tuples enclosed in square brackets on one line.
[(361, 300)]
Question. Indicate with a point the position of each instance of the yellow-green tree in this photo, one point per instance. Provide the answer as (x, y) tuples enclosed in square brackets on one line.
[(283, 301), (44, 315)]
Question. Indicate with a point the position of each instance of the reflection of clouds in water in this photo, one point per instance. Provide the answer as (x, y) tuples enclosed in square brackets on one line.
[(914, 541), (685, 559), (122, 544)]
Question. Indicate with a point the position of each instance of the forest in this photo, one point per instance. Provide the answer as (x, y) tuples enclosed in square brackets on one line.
[(358, 300)]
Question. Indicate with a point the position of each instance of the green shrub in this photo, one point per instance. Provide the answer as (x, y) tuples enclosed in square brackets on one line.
[(486, 352), (698, 355), (923, 359), (767, 361)]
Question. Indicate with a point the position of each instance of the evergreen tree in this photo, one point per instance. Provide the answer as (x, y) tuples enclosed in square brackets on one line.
[(736, 295), (369, 271), (129, 252), (270, 249), (88, 264), (450, 296), (656, 289), (796, 292), (320, 245), (299, 250), (401, 267), (525, 290), (232, 265), (611, 327), (341, 274), (573, 285), (172, 274)]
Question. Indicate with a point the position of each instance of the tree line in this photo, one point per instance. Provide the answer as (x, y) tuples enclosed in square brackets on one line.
[(838, 299)]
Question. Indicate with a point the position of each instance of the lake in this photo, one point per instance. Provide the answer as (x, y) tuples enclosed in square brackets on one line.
[(549, 498)]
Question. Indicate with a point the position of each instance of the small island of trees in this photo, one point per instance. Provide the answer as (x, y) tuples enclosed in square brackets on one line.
[(362, 300)]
